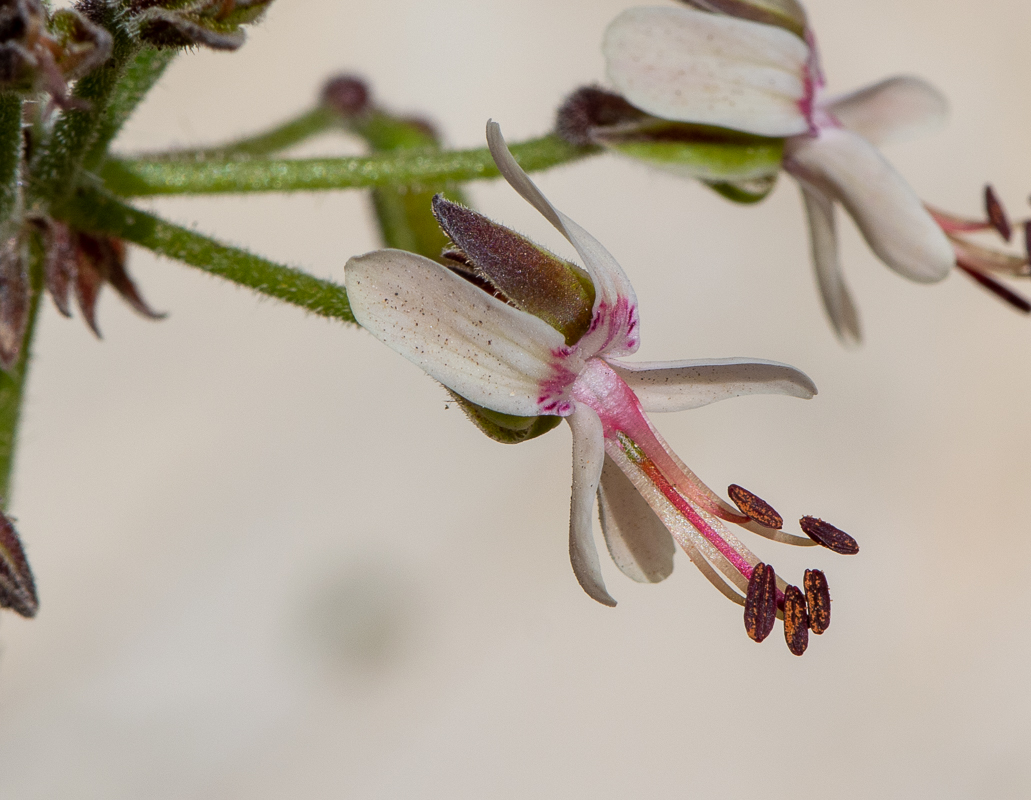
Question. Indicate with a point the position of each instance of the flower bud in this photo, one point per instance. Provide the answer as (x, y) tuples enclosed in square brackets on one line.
[(787, 14), (187, 23), (347, 95), (742, 166)]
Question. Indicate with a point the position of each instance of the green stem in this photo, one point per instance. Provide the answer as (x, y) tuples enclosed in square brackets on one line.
[(96, 212), (12, 384), (413, 168), (10, 157), (293, 131)]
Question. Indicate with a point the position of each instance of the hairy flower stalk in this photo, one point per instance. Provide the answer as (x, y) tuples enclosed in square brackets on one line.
[(752, 66), (514, 329)]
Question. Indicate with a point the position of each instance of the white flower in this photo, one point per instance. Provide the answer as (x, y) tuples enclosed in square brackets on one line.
[(512, 362), (687, 65)]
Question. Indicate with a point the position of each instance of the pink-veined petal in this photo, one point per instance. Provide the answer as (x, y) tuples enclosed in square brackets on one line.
[(823, 243), (637, 540), (588, 459), (614, 329), (844, 166), (691, 66), (680, 385), (894, 109), (477, 346)]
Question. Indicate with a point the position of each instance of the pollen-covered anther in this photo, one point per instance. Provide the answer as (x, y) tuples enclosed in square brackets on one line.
[(996, 213), (830, 537), (761, 602), (818, 598), (755, 508), (796, 620)]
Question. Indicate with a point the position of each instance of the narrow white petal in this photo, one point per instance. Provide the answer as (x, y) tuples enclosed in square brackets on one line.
[(691, 66), (896, 108), (588, 458), (637, 540), (844, 166), (481, 348), (613, 292), (680, 385), (823, 241)]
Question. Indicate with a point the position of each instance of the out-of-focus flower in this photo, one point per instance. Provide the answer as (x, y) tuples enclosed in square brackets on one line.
[(753, 67), (513, 330)]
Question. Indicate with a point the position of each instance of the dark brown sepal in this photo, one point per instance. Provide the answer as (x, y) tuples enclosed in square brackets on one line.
[(347, 95), (761, 602), (755, 508), (121, 282), (14, 301), (590, 108), (830, 537), (17, 588), (996, 213), (59, 264), (89, 277), (796, 620), (818, 598), (530, 277)]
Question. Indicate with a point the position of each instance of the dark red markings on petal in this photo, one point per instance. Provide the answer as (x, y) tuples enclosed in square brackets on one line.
[(761, 602), (830, 537), (796, 620), (996, 213), (818, 598), (17, 588), (997, 288), (755, 508)]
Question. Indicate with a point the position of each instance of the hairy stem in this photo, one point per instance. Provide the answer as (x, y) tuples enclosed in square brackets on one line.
[(397, 168), (96, 212), (12, 384)]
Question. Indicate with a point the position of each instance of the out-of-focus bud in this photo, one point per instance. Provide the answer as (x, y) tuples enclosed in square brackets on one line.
[(217, 24), (787, 14), (40, 52), (518, 270), (347, 95), (741, 166), (17, 587), (14, 300)]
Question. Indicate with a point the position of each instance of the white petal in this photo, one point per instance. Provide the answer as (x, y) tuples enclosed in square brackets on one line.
[(844, 166), (618, 333), (588, 458), (823, 240), (691, 66), (896, 108), (679, 385), (637, 540), (481, 348)]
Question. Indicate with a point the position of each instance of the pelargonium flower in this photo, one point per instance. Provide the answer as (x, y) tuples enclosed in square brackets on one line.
[(508, 330), (753, 67)]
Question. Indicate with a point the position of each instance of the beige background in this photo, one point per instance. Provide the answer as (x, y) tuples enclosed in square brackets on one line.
[(274, 565)]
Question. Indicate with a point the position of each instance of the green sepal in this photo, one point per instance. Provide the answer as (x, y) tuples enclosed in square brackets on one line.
[(744, 192), (506, 428)]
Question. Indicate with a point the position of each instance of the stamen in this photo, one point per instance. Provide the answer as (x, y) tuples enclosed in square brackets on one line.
[(996, 213), (755, 507), (818, 597), (1000, 290), (1027, 238), (796, 620), (830, 537), (761, 602)]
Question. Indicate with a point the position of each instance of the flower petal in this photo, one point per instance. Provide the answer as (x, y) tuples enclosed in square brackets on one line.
[(823, 241), (896, 108), (588, 458), (615, 327), (691, 66), (844, 166), (680, 385), (486, 351), (637, 540)]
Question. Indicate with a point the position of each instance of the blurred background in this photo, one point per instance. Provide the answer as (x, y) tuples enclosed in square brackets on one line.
[(273, 563)]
